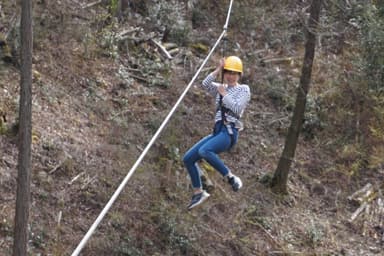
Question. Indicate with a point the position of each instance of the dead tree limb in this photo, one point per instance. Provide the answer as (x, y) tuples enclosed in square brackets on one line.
[(162, 48), (92, 4)]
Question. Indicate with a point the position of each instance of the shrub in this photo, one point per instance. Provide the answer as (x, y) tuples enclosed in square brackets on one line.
[(372, 30)]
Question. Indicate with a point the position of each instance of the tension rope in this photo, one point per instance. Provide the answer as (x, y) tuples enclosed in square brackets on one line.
[(149, 145)]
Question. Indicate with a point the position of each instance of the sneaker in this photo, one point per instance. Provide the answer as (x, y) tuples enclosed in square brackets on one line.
[(235, 182), (198, 199)]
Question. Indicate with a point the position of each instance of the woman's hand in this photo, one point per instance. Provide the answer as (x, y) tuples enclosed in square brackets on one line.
[(219, 67), (221, 89)]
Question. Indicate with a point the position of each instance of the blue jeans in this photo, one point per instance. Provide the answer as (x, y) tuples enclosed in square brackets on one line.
[(208, 149)]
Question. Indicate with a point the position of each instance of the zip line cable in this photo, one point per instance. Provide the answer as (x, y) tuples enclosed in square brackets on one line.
[(149, 145)]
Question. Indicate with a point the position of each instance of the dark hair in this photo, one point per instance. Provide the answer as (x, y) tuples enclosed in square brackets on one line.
[(230, 71)]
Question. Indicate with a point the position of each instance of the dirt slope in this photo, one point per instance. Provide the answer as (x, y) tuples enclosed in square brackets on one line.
[(97, 101)]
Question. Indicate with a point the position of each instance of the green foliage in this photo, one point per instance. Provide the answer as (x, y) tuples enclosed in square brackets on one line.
[(179, 35), (3, 128), (127, 248), (376, 160), (358, 105), (107, 41), (372, 29), (158, 73), (352, 159), (171, 236), (280, 91), (170, 17), (6, 227), (377, 124), (254, 215), (314, 233), (5, 51), (198, 18), (38, 236), (244, 22), (312, 119), (114, 4), (376, 129)]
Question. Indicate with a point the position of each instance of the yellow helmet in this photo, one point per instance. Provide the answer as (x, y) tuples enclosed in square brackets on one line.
[(233, 63)]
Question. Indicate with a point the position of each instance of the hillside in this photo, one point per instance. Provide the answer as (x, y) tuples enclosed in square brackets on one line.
[(102, 87)]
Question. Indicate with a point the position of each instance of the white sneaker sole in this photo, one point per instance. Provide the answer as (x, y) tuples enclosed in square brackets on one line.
[(240, 184), (200, 202)]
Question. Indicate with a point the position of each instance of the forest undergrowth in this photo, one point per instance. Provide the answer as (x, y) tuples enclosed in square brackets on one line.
[(102, 87)]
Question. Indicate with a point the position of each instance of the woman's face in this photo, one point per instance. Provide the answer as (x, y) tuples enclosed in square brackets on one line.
[(231, 77)]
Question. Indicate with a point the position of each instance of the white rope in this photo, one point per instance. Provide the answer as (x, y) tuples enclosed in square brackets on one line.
[(228, 14), (138, 161)]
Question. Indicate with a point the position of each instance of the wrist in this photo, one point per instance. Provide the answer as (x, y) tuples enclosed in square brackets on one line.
[(216, 72)]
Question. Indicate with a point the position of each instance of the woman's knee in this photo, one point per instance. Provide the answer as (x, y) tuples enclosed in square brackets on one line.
[(203, 153), (186, 159)]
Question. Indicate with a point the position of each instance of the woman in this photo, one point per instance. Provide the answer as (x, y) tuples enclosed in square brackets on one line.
[(231, 100)]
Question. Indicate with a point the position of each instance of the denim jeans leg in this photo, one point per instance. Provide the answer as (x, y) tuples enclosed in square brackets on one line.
[(212, 147), (190, 159)]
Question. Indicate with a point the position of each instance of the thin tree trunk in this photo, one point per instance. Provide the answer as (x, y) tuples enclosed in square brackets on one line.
[(280, 178), (25, 119)]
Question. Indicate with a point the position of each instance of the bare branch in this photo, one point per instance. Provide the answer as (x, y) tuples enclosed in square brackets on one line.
[(162, 48), (92, 4)]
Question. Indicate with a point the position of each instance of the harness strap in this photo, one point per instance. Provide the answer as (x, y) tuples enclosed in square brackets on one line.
[(221, 107), (224, 122), (232, 136), (227, 110), (228, 126)]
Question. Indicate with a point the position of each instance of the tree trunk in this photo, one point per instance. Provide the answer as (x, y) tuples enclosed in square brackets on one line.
[(280, 178), (25, 118), (122, 6)]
